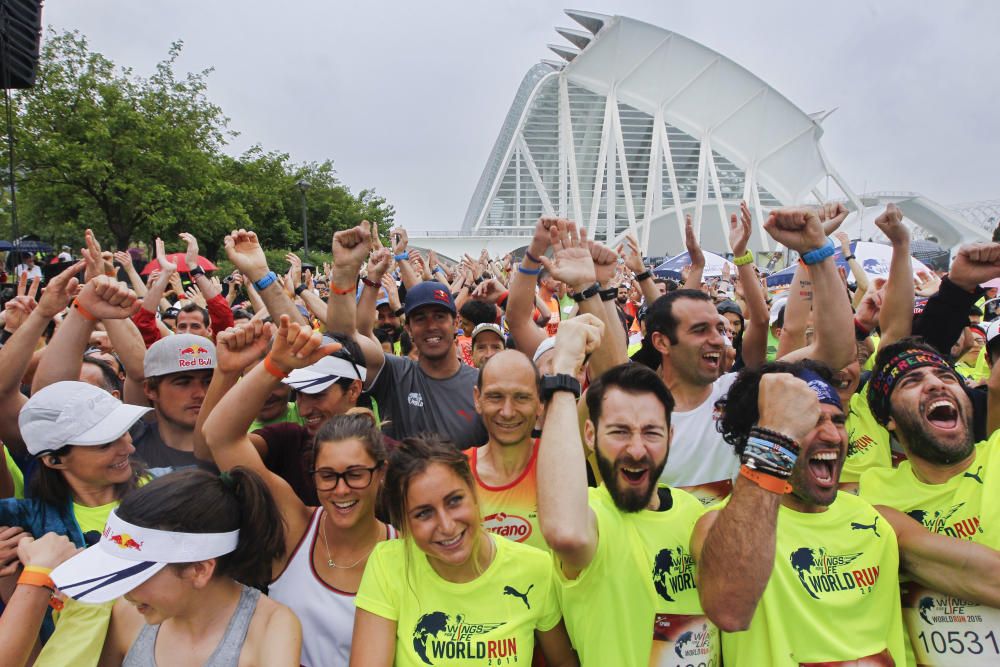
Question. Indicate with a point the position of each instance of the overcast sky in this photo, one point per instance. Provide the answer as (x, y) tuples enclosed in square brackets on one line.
[(408, 97)]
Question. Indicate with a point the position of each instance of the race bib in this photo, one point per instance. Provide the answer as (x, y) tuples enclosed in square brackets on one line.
[(680, 640), (882, 659), (950, 632)]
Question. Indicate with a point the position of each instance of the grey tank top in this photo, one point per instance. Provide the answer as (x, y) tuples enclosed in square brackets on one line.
[(226, 654)]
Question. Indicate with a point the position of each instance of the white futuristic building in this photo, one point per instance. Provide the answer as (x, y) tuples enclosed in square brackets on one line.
[(637, 126)]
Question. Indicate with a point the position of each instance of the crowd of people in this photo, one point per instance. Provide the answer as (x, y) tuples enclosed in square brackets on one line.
[(560, 459)]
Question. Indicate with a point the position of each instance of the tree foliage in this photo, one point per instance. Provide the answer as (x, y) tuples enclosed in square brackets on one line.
[(137, 157)]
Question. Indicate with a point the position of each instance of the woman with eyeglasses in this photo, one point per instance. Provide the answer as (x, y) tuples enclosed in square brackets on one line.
[(327, 546)]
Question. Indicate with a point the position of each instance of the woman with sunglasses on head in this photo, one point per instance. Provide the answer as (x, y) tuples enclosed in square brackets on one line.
[(327, 546), (450, 592), (189, 552)]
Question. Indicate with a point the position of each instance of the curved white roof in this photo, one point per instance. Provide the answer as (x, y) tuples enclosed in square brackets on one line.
[(703, 93)]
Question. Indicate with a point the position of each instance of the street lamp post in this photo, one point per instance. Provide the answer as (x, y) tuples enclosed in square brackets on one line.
[(303, 186)]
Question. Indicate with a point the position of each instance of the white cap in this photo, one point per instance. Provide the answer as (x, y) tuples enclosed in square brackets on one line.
[(487, 326), (74, 413), (992, 329), (318, 377), (128, 555), (180, 353), (776, 308)]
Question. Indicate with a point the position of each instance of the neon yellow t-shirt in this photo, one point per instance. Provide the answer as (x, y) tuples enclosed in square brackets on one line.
[(15, 473), (867, 441), (945, 630), (290, 416), (511, 511), (870, 361), (93, 518), (833, 592), (637, 602), (977, 372), (490, 620)]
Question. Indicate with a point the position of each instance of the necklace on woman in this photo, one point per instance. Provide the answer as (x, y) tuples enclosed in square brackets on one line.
[(329, 558)]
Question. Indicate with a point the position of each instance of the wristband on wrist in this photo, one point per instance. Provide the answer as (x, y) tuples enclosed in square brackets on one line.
[(585, 294), (399, 312), (342, 292), (32, 577), (370, 283), (528, 272), (437, 269), (744, 259), (850, 257), (402, 256), (768, 457), (84, 313), (528, 255), (269, 278), (300, 289), (111, 273), (817, 255), (609, 294), (766, 482), (196, 271), (639, 277), (775, 436), (273, 369)]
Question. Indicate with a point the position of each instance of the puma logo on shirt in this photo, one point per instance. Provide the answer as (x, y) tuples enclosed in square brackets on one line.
[(510, 590)]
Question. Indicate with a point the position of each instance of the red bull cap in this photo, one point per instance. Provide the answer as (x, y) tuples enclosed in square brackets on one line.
[(179, 353), (127, 555)]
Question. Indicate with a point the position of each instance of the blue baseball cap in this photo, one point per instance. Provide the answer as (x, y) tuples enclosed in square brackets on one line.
[(429, 293)]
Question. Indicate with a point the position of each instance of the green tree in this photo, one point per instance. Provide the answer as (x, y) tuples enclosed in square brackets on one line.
[(139, 157), (100, 146)]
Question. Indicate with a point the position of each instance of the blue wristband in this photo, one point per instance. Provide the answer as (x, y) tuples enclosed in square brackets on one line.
[(528, 272), (401, 256), (265, 282), (437, 269), (819, 254)]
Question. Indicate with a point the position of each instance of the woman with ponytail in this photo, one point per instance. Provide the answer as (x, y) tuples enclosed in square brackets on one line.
[(450, 590), (189, 552), (326, 547)]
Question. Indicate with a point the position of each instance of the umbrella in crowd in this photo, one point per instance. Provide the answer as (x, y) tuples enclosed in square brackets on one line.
[(873, 257), (713, 265), (178, 259)]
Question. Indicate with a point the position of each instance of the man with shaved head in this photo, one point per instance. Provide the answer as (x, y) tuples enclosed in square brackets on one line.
[(507, 399)]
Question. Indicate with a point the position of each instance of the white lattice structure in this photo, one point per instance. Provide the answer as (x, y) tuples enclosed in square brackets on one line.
[(637, 126)]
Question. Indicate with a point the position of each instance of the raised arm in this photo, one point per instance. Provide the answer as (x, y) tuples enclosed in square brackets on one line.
[(697, 268), (896, 316), (400, 242), (378, 265), (350, 250), (754, 350), (567, 522), (801, 229), (614, 347), (798, 308), (134, 279), (860, 277), (101, 298), (521, 295), (245, 252), (633, 260), (127, 342), (741, 537)]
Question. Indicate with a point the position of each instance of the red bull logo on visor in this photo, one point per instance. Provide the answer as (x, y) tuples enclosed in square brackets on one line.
[(441, 295), (124, 540), (195, 356)]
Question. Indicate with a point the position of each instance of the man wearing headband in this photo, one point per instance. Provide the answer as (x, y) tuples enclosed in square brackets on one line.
[(789, 568), (948, 483)]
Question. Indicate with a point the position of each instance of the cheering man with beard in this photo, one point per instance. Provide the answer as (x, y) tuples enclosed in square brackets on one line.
[(794, 573), (622, 548), (948, 484)]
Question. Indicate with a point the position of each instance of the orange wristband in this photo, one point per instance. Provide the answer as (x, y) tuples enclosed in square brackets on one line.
[(86, 314), (39, 579), (766, 482), (342, 292), (271, 368)]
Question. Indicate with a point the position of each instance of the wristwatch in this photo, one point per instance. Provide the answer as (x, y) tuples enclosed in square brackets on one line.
[(559, 382), (817, 255), (582, 296), (196, 271)]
